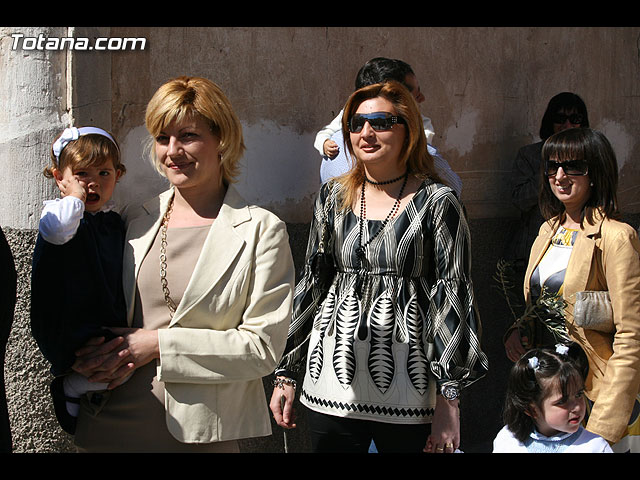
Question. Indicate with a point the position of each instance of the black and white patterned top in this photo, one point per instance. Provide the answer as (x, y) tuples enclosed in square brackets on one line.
[(387, 333)]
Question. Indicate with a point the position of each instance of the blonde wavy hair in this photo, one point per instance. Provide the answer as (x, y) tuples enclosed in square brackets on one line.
[(188, 97)]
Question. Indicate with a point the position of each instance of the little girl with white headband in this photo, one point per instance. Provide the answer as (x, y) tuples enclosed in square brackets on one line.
[(545, 405), (76, 287)]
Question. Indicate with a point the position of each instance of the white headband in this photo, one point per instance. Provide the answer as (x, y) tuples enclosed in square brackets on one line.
[(72, 133)]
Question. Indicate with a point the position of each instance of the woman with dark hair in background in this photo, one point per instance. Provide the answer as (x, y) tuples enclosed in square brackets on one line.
[(565, 110)]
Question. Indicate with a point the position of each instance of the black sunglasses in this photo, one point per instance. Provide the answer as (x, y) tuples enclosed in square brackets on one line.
[(574, 118), (379, 121), (572, 167)]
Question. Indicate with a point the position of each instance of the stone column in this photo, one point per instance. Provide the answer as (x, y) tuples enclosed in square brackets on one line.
[(44, 89)]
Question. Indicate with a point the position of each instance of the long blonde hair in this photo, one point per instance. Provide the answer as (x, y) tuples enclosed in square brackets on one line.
[(414, 154)]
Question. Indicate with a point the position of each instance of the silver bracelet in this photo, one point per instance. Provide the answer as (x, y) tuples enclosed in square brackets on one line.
[(280, 382)]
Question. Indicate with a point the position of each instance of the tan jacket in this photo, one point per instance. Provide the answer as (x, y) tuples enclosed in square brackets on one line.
[(605, 256), (231, 325)]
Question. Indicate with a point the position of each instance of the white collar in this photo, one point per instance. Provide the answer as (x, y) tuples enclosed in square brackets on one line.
[(554, 438)]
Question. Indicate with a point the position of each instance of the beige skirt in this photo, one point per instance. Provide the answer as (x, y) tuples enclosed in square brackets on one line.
[(132, 418)]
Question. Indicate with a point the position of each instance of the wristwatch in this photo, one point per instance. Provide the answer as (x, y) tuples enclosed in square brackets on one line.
[(450, 392)]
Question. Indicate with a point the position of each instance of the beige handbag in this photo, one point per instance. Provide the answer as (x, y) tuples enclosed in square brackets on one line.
[(593, 311)]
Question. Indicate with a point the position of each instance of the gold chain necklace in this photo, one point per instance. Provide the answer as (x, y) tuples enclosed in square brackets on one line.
[(163, 261)]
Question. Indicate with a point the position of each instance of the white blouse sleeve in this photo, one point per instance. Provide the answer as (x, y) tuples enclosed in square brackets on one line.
[(60, 219)]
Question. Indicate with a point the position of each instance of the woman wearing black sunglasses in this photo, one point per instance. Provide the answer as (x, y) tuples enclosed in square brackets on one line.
[(565, 110), (584, 248), (384, 316)]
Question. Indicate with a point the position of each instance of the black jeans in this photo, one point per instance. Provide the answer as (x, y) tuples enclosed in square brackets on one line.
[(330, 434)]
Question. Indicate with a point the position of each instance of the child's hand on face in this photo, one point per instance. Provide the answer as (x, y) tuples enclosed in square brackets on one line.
[(69, 185)]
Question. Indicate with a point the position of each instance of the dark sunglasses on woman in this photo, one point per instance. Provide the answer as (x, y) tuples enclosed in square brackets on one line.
[(572, 167), (379, 121)]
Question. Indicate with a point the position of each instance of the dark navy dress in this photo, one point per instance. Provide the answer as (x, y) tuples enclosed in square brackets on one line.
[(76, 288)]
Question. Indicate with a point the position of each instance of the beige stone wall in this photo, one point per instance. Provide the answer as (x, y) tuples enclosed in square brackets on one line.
[(486, 91)]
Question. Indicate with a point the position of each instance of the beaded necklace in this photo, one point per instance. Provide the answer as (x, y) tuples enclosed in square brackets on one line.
[(360, 251), (385, 182)]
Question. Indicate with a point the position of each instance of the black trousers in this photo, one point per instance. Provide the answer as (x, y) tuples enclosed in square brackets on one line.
[(330, 434)]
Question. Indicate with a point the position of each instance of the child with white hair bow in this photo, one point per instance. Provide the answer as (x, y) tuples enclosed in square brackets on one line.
[(545, 405), (76, 287)]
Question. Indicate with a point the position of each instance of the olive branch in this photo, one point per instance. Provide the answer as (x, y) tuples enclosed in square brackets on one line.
[(548, 308)]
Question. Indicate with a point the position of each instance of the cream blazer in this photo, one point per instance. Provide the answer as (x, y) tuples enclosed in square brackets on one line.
[(605, 256), (231, 325)]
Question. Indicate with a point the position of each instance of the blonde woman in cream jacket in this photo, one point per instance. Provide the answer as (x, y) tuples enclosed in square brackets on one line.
[(208, 281)]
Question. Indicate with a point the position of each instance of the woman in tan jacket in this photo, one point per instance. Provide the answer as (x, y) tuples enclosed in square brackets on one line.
[(582, 247), (208, 281)]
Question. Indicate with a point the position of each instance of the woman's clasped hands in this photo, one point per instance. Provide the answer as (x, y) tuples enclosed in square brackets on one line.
[(114, 360)]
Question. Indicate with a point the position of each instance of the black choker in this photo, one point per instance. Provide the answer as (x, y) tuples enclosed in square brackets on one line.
[(386, 182)]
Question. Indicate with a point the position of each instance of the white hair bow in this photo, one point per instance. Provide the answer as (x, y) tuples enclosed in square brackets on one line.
[(72, 133), (69, 135), (562, 349), (534, 363)]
